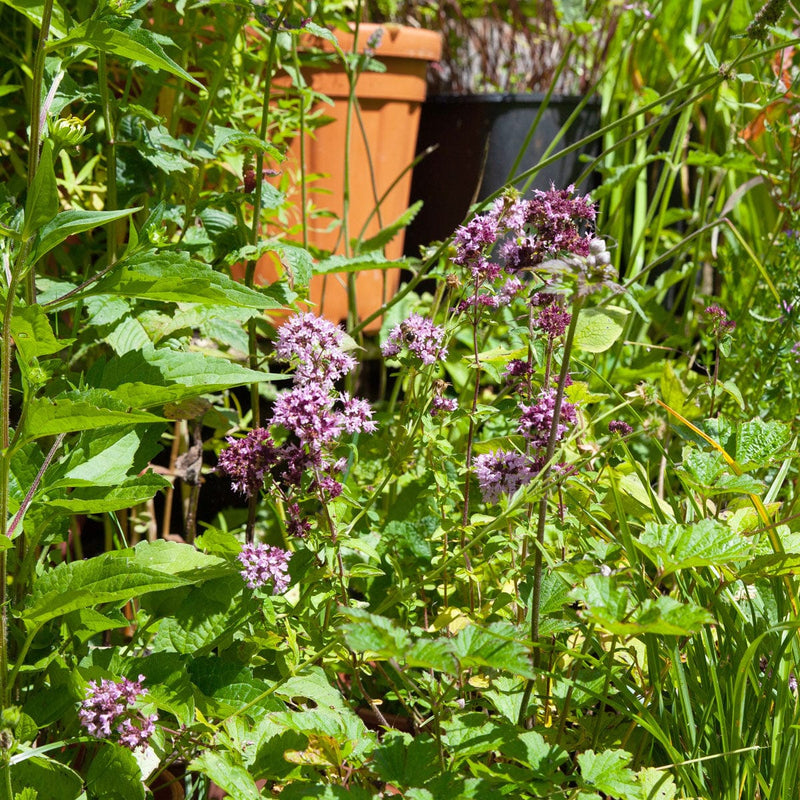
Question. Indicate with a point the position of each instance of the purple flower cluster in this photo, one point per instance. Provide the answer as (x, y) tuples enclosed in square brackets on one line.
[(263, 564), (312, 414), (419, 336), (552, 318), (620, 427), (107, 710), (501, 472), (443, 404), (719, 320), (314, 347), (518, 234), (247, 460), (536, 419)]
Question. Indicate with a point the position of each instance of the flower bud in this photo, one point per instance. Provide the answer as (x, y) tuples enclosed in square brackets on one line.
[(68, 131)]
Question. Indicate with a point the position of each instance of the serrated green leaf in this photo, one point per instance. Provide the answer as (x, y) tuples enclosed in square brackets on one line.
[(597, 329), (759, 443), (497, 646), (175, 278), (297, 262), (41, 204), (50, 779), (98, 499), (374, 634), (33, 335), (656, 784), (68, 223), (125, 38), (207, 614), (706, 543), (79, 411), (84, 623), (182, 560), (230, 137), (434, 654), (163, 376), (115, 774), (608, 771), (230, 776), (405, 760), (110, 578), (106, 457)]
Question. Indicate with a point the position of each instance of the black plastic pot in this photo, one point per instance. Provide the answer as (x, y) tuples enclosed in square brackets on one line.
[(479, 138)]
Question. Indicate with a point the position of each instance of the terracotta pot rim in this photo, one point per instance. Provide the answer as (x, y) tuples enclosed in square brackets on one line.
[(399, 41)]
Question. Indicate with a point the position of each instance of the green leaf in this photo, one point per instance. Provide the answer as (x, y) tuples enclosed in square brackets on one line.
[(656, 784), (114, 774), (673, 392), (32, 334), (175, 278), (496, 646), (372, 260), (98, 499), (68, 223), (531, 749), (110, 578), (712, 59), (208, 613), (405, 760), (608, 771), (378, 636), (182, 560), (50, 779), (666, 616), (79, 411), (41, 204), (434, 654), (106, 457), (168, 376), (706, 543), (297, 262), (86, 622), (597, 329), (229, 775), (125, 38), (759, 443), (384, 236), (229, 137)]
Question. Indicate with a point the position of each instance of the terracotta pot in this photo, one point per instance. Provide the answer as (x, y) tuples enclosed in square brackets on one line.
[(385, 139)]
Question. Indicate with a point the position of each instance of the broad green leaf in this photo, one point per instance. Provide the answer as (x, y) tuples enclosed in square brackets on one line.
[(656, 784), (297, 262), (473, 733), (498, 646), (373, 634), (706, 543), (703, 468), (86, 622), (667, 616), (673, 391), (114, 774), (759, 443), (531, 749), (32, 334), (51, 779), (405, 760), (97, 499), (41, 204), (151, 376), (79, 411), (771, 565), (183, 560), (371, 260), (228, 774), (434, 654), (106, 457), (229, 137), (597, 329), (125, 38), (167, 682), (608, 771), (110, 578), (208, 613), (384, 236), (68, 223), (175, 278), (324, 791), (313, 685)]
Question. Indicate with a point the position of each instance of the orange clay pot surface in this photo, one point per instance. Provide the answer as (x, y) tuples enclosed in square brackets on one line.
[(382, 147)]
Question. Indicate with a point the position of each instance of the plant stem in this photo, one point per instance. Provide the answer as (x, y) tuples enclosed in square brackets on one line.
[(536, 597)]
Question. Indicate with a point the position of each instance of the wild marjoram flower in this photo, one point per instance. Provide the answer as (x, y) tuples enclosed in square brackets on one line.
[(263, 564), (107, 711), (550, 235), (315, 415)]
